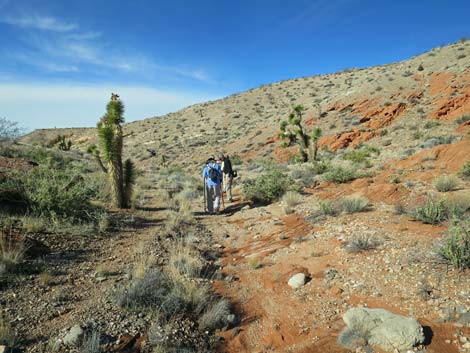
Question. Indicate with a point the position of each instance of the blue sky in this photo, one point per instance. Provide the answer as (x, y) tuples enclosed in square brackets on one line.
[(60, 60)]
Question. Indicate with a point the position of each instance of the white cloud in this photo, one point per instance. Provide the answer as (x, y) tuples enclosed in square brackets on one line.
[(61, 105), (39, 22)]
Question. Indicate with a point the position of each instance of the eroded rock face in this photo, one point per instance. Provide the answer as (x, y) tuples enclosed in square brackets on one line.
[(384, 329)]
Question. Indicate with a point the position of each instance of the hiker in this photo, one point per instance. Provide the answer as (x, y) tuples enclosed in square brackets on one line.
[(226, 166), (212, 175)]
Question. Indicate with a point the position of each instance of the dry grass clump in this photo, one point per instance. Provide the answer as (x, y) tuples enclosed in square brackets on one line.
[(445, 183), (184, 261), (12, 252), (290, 200), (33, 224), (215, 316), (361, 243)]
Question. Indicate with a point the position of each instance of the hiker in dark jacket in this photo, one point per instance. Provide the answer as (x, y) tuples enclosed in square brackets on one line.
[(226, 167), (212, 175)]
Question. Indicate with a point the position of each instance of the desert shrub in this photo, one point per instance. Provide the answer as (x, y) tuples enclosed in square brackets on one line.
[(456, 249), (9, 130), (91, 343), (236, 159), (49, 193), (465, 171), (33, 224), (433, 211), (463, 119), (445, 183), (435, 141), (329, 208), (185, 261), (12, 252), (215, 317), (340, 175), (354, 204), (269, 186), (290, 200), (361, 243), (395, 179), (254, 263), (361, 154)]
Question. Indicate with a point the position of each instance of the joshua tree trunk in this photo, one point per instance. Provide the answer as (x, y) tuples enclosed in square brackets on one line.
[(115, 178)]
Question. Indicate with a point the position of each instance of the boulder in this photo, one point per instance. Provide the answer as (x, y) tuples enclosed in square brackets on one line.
[(297, 280), (384, 329)]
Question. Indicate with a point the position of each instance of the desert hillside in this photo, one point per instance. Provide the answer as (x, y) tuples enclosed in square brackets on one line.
[(380, 220), (395, 107)]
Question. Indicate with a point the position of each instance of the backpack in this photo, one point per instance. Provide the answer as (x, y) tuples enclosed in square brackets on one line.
[(213, 174)]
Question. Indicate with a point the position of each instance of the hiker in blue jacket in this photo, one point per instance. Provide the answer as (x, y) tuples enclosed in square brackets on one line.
[(212, 175)]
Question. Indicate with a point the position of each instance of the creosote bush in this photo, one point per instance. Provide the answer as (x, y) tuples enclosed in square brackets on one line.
[(445, 183), (456, 249), (340, 175), (354, 204), (267, 187)]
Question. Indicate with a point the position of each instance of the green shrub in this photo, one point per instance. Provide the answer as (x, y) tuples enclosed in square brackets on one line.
[(340, 175), (465, 171), (329, 208), (354, 204), (268, 187), (49, 193), (361, 154), (445, 183), (433, 211), (456, 248), (463, 119)]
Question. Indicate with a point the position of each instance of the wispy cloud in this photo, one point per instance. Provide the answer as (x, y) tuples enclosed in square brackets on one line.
[(35, 21), (320, 12), (53, 45)]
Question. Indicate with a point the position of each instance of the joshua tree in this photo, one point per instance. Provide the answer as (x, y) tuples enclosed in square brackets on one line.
[(121, 177), (293, 131), (63, 144), (315, 136)]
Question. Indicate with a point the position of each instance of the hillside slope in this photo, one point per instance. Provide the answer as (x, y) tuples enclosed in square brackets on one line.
[(396, 107)]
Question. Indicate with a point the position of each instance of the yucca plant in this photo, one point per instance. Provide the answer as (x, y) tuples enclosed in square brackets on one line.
[(121, 177), (292, 132)]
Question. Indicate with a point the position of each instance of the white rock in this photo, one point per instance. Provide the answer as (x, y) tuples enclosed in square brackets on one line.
[(385, 329), (297, 280), (74, 336)]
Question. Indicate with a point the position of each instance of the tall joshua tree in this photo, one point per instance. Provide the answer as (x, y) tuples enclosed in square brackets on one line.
[(292, 132), (121, 177)]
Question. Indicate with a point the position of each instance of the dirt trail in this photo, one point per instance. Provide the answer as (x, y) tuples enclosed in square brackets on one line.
[(263, 247)]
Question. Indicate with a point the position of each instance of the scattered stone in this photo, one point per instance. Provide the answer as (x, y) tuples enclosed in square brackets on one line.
[(384, 329), (297, 280), (464, 318), (3, 349), (74, 336)]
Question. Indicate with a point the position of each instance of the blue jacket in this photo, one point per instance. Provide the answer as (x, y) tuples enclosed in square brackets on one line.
[(205, 174)]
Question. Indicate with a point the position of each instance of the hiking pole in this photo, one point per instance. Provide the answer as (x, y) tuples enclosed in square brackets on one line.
[(204, 180), (222, 194)]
